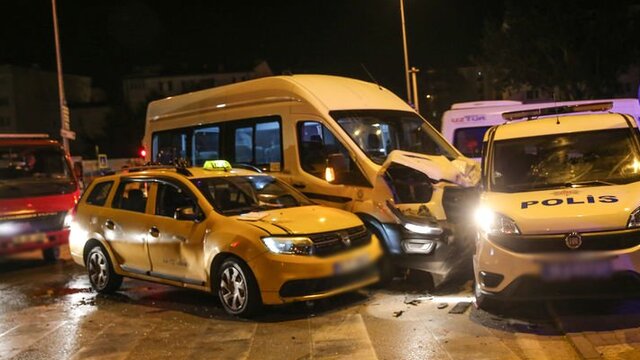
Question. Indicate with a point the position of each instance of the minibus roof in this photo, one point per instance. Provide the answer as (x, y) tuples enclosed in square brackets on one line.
[(325, 92)]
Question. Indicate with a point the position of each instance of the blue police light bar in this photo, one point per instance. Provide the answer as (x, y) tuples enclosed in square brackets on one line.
[(557, 110)]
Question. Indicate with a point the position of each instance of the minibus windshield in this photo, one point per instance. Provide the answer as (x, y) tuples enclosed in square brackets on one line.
[(235, 195), (590, 158), (379, 132)]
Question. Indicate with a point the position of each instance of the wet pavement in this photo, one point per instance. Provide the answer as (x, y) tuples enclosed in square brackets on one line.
[(48, 311)]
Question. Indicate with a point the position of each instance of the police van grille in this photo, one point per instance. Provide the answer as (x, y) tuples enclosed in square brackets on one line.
[(458, 203), (330, 243), (557, 243)]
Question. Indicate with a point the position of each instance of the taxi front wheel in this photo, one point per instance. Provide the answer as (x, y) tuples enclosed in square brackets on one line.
[(101, 275), (238, 289)]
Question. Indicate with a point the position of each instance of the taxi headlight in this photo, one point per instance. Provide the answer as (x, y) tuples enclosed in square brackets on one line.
[(634, 219), (289, 245), (491, 222)]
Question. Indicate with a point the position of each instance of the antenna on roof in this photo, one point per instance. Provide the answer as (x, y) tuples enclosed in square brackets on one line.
[(370, 76)]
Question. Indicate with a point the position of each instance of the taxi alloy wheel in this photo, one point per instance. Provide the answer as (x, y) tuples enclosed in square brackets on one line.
[(101, 275), (237, 289)]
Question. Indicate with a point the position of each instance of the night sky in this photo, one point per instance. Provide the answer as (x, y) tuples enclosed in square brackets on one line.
[(108, 39)]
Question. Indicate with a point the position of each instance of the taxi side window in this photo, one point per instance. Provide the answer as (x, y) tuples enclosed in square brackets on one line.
[(171, 198), (99, 193), (132, 196)]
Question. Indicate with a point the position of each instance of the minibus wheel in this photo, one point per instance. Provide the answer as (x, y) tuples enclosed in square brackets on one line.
[(238, 289), (101, 275)]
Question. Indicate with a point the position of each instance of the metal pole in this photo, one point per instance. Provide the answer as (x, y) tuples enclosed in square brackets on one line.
[(414, 71), (64, 117), (406, 53)]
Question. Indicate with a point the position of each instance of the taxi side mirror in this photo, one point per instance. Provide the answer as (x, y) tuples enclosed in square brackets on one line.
[(186, 213)]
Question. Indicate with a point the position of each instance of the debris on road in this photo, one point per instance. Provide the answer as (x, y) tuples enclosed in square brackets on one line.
[(460, 307), (398, 313), (442, 305)]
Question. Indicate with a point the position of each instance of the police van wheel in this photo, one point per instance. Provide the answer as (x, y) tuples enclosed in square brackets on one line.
[(51, 254), (101, 275), (238, 289)]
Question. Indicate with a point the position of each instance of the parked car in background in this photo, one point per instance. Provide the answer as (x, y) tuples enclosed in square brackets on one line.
[(38, 192), (559, 214), (245, 236), (465, 124)]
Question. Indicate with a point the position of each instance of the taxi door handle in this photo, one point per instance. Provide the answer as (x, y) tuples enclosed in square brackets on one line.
[(154, 232), (298, 185), (109, 224)]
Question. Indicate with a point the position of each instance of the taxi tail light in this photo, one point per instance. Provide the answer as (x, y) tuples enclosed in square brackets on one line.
[(70, 216)]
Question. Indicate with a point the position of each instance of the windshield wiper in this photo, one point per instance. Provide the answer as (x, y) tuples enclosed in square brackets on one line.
[(588, 183)]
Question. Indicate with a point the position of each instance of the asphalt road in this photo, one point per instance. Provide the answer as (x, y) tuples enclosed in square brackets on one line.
[(48, 311)]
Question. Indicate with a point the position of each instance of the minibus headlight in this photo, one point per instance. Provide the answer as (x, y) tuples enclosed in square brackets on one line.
[(491, 222), (289, 245), (634, 219)]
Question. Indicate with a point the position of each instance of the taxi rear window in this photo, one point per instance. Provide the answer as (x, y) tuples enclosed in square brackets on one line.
[(99, 193)]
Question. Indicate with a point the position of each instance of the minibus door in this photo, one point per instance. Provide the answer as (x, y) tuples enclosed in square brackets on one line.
[(327, 174)]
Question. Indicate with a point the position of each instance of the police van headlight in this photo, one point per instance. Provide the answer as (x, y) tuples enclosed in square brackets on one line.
[(634, 219), (491, 222), (289, 245)]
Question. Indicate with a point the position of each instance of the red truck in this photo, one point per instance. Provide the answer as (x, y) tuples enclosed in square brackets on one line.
[(38, 193)]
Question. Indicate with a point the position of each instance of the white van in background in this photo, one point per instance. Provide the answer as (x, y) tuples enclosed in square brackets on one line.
[(464, 124), (342, 142)]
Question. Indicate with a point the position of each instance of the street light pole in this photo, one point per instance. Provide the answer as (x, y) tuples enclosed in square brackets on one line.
[(406, 54), (65, 124)]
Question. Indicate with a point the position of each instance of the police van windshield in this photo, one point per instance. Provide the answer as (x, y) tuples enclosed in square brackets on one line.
[(379, 132), (236, 195), (591, 158)]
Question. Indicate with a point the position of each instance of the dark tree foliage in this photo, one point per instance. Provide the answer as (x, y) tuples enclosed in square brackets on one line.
[(574, 49)]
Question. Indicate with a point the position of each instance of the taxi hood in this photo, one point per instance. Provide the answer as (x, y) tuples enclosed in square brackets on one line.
[(581, 209), (462, 171), (301, 220)]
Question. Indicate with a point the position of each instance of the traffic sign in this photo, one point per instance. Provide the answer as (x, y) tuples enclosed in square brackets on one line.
[(102, 161)]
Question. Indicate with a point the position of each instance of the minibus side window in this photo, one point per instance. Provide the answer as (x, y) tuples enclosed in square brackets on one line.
[(244, 145), (168, 146), (469, 140), (317, 145), (206, 144)]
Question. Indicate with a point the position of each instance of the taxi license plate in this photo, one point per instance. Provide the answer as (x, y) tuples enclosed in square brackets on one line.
[(29, 238), (351, 265), (577, 270)]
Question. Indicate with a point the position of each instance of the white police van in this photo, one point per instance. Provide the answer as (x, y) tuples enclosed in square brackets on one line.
[(464, 124), (559, 211)]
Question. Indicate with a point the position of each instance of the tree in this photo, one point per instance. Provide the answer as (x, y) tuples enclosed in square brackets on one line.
[(574, 49)]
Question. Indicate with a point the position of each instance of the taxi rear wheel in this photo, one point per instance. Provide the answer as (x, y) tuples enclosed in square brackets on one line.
[(238, 289), (101, 275)]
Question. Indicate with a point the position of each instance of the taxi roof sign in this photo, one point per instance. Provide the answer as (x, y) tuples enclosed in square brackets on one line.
[(219, 165)]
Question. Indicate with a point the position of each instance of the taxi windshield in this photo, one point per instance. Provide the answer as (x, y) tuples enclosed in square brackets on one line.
[(379, 132), (235, 195), (590, 158)]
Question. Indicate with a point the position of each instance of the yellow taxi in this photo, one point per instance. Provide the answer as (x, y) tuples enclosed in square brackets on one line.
[(245, 236)]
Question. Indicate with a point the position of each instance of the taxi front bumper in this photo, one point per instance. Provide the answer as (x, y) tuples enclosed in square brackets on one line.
[(9, 245), (515, 267), (290, 278)]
